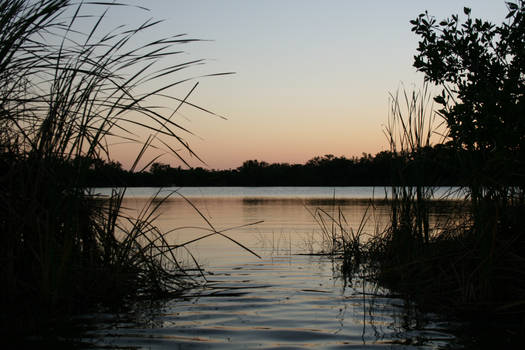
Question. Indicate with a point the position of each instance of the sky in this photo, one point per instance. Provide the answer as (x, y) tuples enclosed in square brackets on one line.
[(311, 77)]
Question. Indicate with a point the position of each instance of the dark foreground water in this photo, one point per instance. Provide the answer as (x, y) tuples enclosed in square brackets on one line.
[(284, 300), (291, 302)]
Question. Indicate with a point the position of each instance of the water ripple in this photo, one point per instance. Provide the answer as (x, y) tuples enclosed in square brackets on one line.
[(286, 303)]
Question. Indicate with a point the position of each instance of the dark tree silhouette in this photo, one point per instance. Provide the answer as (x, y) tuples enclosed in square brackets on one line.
[(482, 69)]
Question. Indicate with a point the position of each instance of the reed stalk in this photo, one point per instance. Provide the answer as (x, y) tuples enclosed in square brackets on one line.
[(340, 238), (65, 96), (411, 128), (471, 266)]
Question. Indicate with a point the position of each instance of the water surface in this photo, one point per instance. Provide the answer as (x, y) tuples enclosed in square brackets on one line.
[(342, 192), (283, 300)]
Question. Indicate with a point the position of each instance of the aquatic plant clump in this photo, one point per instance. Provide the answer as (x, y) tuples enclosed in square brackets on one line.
[(480, 67), (473, 267), (65, 96)]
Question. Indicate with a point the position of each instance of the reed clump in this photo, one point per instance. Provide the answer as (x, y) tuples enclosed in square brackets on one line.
[(340, 239), (471, 265), (475, 265), (468, 265), (65, 96)]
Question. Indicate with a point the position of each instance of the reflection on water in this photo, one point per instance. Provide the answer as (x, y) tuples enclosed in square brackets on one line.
[(290, 302), (283, 300), (318, 192)]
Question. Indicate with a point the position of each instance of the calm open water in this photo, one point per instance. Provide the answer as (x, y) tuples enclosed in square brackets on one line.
[(284, 300)]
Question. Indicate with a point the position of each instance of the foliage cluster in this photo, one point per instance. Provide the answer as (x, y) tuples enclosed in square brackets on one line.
[(481, 67), (475, 266)]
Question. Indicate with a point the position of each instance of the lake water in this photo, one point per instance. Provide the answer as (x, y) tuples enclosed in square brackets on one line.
[(284, 299)]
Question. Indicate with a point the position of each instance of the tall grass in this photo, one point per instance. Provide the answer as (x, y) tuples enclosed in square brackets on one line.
[(473, 266), (411, 128), (404, 255), (65, 97), (341, 239)]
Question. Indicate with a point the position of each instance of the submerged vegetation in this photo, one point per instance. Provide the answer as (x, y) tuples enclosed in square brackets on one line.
[(65, 96)]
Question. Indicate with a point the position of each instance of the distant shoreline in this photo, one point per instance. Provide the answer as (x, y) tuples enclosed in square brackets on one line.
[(435, 166)]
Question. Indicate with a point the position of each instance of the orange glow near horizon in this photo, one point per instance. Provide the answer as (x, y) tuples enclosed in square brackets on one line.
[(273, 133), (310, 79)]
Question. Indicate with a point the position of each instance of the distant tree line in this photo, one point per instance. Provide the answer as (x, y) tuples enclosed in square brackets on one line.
[(437, 165)]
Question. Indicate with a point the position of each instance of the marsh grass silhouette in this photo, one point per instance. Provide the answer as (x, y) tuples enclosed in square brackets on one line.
[(469, 266), (474, 266), (477, 267), (65, 97)]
